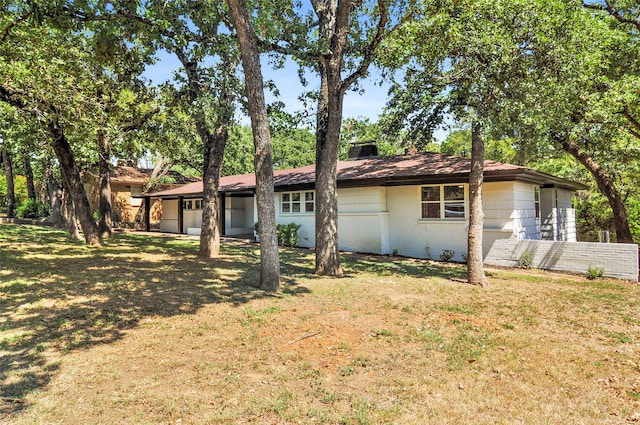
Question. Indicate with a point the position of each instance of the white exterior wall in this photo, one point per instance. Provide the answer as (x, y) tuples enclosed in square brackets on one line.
[(238, 217), (192, 219), (169, 220), (524, 215), (387, 220), (558, 222), (500, 221), (411, 236), (362, 221)]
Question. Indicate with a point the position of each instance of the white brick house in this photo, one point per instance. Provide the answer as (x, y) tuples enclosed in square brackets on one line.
[(411, 205)]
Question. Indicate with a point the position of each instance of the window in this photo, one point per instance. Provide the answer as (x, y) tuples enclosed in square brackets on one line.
[(297, 202), (443, 201), (536, 200), (192, 204), (309, 203), (135, 191)]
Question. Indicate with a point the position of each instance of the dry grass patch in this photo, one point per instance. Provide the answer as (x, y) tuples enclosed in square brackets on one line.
[(142, 331)]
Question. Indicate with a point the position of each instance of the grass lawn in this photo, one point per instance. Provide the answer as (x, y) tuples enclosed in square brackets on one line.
[(143, 332)]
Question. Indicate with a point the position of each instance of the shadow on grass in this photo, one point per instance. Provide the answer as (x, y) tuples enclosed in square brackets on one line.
[(58, 295), (384, 266)]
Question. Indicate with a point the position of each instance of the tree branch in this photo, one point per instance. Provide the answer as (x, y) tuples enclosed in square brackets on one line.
[(12, 25), (12, 97), (135, 125), (615, 13), (370, 50), (633, 121), (287, 51)]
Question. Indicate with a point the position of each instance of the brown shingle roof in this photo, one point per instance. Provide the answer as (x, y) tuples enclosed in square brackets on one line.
[(133, 175), (385, 170)]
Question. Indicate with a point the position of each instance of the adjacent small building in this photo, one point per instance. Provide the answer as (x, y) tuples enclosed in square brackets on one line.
[(412, 205), (127, 185)]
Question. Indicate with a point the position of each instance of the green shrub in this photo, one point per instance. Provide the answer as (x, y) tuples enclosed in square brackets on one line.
[(447, 254), (287, 233), (526, 261), (595, 273), (32, 209)]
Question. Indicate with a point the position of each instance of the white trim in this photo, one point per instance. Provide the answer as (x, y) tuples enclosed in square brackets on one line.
[(442, 203), (303, 201)]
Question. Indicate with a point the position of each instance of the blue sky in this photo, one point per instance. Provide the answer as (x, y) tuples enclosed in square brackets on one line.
[(369, 104)]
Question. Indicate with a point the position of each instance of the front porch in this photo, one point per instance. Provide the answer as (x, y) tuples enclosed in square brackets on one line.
[(183, 214)]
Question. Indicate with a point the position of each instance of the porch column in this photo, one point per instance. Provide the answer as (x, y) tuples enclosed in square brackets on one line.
[(180, 213), (222, 214), (147, 213)]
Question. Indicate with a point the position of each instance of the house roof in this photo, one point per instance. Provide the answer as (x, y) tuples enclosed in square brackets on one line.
[(424, 168), (125, 174)]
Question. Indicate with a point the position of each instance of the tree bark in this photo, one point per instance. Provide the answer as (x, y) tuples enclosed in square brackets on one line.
[(11, 195), (54, 193), (329, 121), (333, 20), (606, 185), (28, 173), (213, 148), (269, 257), (73, 182), (475, 265), (105, 223), (69, 213), (214, 145)]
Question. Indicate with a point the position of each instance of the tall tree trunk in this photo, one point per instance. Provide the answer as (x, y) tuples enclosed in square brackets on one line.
[(213, 149), (54, 193), (28, 173), (73, 182), (333, 20), (11, 195), (606, 185), (269, 257), (210, 231), (104, 170), (475, 266), (69, 213), (329, 120)]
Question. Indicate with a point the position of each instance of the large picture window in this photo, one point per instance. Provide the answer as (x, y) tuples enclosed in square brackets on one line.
[(297, 202), (443, 201)]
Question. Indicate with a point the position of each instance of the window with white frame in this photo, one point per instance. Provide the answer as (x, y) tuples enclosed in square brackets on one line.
[(297, 202), (443, 202), (192, 204), (134, 201), (536, 200)]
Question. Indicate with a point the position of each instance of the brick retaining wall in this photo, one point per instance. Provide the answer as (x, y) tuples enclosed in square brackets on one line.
[(617, 260)]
